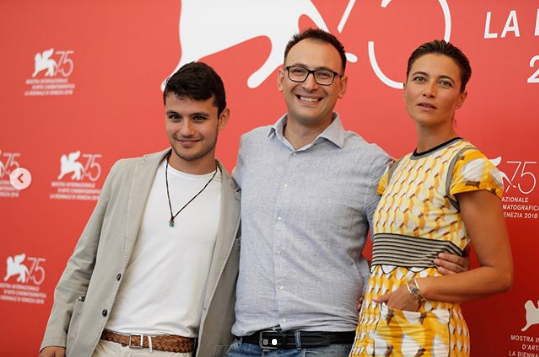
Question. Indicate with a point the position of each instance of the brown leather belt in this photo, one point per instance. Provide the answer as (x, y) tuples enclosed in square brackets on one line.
[(168, 343)]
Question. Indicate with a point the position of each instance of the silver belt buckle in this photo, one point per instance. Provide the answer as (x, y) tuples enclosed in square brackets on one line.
[(269, 343), (135, 346)]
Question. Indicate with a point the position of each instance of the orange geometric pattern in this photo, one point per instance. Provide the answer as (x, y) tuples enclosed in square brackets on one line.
[(419, 201)]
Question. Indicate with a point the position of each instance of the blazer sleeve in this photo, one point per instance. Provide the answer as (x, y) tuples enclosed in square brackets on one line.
[(76, 277)]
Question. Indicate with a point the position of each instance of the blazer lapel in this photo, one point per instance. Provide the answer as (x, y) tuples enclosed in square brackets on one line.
[(228, 226)]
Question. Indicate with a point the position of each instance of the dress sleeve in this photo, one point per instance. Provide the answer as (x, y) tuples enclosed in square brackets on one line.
[(473, 171)]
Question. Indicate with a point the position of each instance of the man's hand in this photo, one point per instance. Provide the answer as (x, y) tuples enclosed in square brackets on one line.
[(451, 264), (53, 351), (400, 299), (359, 303)]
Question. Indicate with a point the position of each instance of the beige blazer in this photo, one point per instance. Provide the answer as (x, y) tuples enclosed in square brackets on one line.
[(88, 287)]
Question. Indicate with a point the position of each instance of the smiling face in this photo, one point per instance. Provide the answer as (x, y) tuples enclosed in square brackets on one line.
[(192, 127), (310, 104), (432, 91)]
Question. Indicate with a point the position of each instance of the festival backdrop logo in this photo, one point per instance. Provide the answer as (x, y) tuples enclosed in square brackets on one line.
[(532, 315), (372, 53), (520, 180), (257, 18), (52, 69), (526, 345), (22, 280), (9, 162), (78, 174)]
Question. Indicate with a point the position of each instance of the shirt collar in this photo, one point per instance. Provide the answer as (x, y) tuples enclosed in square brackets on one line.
[(333, 133)]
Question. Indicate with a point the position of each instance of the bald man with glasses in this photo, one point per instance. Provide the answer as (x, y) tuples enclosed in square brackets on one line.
[(308, 196)]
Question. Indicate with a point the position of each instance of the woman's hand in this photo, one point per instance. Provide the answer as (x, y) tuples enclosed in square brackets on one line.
[(400, 299)]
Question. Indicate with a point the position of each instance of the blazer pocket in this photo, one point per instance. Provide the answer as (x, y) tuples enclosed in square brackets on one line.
[(73, 329)]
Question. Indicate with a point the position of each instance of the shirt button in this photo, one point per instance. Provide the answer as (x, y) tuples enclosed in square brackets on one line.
[(104, 312), (294, 153), (283, 320), (279, 218), (281, 287), (118, 277), (278, 252), (285, 185)]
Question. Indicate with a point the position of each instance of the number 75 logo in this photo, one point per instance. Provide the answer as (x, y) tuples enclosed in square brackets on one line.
[(10, 163), (44, 61), (522, 178)]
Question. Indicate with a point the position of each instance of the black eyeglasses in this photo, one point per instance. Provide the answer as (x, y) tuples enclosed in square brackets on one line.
[(324, 77)]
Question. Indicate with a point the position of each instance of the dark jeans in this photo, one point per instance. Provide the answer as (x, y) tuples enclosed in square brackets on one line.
[(239, 349)]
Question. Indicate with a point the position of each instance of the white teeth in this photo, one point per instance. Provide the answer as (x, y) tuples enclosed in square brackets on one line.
[(309, 99)]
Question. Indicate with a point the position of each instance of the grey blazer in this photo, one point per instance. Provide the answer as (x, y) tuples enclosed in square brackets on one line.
[(88, 287)]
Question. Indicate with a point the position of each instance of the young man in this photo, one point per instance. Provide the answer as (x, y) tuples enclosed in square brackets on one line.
[(308, 196), (157, 263)]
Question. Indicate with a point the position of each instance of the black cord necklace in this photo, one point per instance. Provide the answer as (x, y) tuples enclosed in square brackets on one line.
[(173, 216)]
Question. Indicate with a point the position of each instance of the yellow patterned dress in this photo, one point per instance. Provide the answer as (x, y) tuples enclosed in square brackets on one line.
[(417, 218)]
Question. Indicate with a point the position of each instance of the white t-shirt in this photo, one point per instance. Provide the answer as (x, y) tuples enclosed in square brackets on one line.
[(164, 283)]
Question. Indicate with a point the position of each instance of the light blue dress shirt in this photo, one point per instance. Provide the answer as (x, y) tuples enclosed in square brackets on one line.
[(305, 217)]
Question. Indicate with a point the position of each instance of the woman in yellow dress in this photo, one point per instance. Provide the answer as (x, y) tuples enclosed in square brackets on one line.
[(440, 198)]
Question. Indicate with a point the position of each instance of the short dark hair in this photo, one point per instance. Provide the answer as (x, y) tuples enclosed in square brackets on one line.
[(447, 49), (197, 81), (317, 35)]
